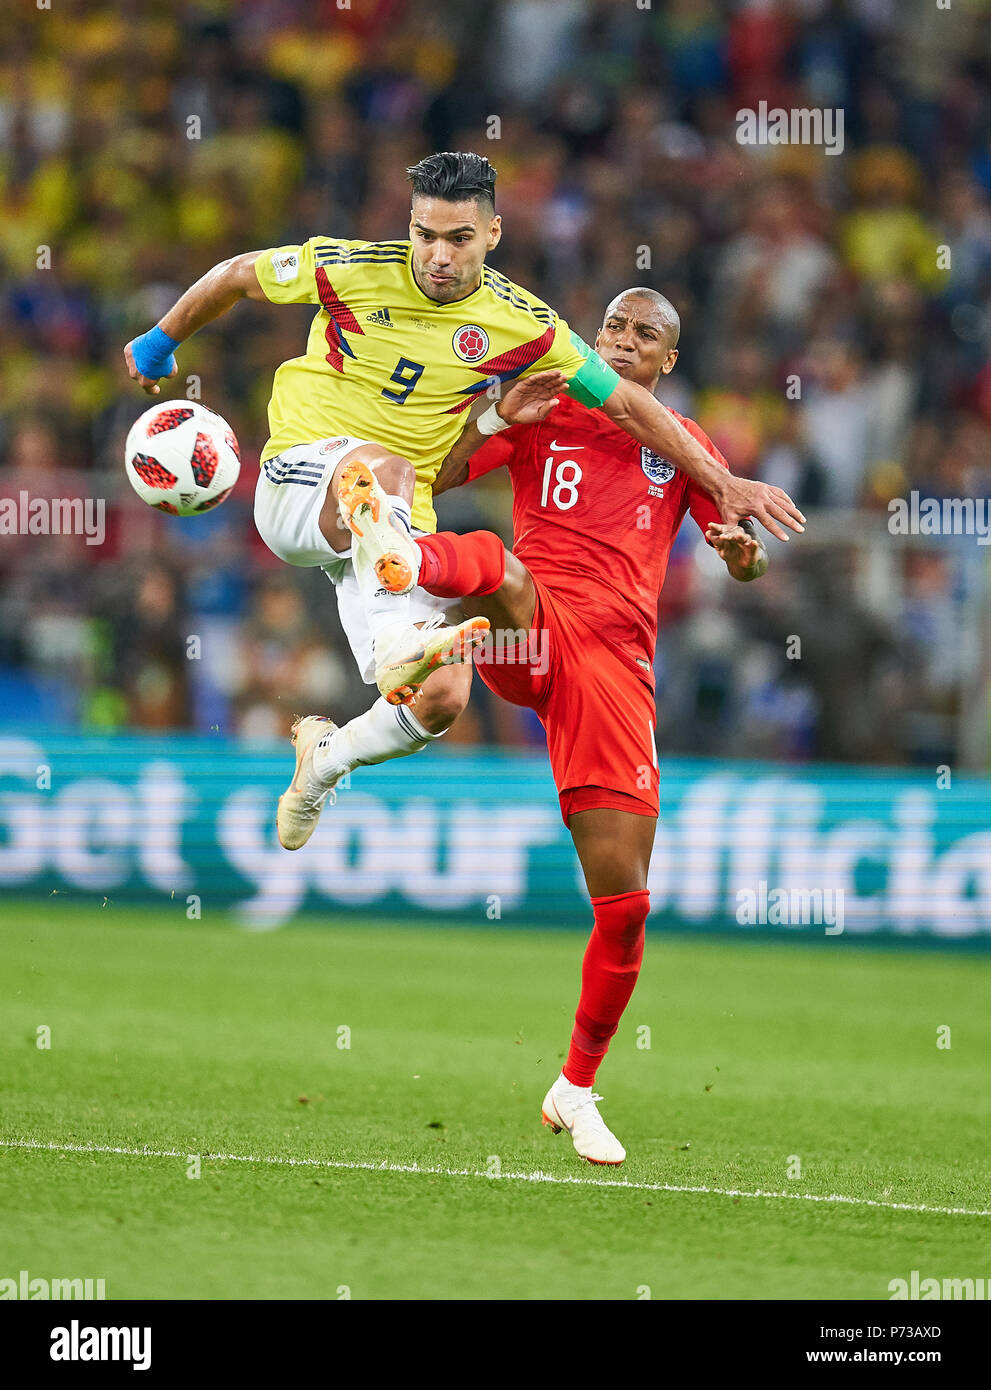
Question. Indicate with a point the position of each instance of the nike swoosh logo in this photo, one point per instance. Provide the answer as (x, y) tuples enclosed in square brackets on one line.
[(568, 1129), (407, 660), (572, 447)]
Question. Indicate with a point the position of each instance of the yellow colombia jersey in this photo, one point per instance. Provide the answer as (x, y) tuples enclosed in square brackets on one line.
[(386, 362)]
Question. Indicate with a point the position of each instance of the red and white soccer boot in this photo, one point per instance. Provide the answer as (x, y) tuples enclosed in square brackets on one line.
[(305, 797), (380, 538), (573, 1108)]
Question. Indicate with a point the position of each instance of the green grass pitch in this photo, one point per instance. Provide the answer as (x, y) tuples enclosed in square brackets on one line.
[(202, 1039)]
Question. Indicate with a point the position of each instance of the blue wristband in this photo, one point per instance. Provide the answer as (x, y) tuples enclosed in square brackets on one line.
[(152, 353)]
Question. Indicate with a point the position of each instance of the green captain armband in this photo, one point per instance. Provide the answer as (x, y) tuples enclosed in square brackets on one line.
[(594, 381)]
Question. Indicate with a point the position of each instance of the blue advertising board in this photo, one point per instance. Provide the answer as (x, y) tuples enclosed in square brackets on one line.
[(478, 835)]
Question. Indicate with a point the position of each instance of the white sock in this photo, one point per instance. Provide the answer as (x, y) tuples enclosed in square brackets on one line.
[(402, 509), (383, 610), (385, 731)]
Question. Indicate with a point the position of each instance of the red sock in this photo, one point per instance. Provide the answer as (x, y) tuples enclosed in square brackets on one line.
[(456, 565), (609, 973)]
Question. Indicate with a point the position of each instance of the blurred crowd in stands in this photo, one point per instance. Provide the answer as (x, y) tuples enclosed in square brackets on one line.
[(836, 315)]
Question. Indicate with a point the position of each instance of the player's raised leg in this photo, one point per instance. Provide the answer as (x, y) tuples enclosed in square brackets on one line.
[(614, 848), (386, 565), (297, 513), (491, 585), (477, 567), (325, 752)]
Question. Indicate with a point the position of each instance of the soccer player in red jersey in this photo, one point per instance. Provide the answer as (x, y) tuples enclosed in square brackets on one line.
[(594, 517)]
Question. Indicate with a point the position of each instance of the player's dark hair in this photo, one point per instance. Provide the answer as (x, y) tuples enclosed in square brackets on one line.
[(454, 176)]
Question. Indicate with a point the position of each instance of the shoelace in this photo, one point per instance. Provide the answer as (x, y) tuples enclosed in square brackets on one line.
[(431, 624), (315, 795), (597, 1119), (313, 800)]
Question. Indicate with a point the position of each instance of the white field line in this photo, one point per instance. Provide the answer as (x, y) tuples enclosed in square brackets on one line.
[(537, 1176)]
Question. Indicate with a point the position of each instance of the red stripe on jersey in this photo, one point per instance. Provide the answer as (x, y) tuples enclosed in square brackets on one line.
[(507, 365), (340, 317), (522, 356)]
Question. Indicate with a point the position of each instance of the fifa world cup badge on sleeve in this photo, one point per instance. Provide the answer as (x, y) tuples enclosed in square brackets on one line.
[(286, 267)]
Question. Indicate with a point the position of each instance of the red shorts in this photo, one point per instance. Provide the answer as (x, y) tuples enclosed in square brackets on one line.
[(597, 712)]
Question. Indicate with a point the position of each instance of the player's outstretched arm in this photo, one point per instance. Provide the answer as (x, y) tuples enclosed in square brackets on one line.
[(525, 403), (152, 356), (636, 410), (740, 547)]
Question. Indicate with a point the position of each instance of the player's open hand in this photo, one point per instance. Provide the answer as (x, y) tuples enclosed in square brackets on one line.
[(528, 401), (149, 385), (771, 506)]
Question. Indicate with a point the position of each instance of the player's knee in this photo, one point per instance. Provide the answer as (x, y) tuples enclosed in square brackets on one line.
[(623, 917), (455, 565), (397, 475), (492, 557), (443, 698)]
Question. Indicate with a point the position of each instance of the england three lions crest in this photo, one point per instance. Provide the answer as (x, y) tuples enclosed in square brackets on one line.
[(658, 470)]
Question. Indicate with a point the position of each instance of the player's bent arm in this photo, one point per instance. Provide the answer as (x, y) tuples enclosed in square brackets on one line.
[(634, 409), (526, 402), (212, 295), (454, 470), (151, 356)]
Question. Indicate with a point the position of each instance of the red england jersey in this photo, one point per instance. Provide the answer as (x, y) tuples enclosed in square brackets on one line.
[(595, 514)]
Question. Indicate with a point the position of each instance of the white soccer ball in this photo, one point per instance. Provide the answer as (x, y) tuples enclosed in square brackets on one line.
[(181, 457)]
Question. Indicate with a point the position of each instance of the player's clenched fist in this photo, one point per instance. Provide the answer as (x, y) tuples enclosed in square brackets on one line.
[(149, 358), (739, 547)]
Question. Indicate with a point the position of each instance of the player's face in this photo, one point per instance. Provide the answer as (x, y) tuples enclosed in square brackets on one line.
[(450, 243), (634, 339)]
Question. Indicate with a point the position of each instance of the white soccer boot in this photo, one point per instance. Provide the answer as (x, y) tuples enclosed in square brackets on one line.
[(409, 654), (573, 1108), (303, 800), (380, 538)]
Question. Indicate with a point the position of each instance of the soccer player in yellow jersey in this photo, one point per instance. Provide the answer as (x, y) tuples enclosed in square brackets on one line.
[(407, 337)]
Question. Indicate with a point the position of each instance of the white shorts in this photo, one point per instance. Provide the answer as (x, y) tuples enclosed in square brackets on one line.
[(289, 498)]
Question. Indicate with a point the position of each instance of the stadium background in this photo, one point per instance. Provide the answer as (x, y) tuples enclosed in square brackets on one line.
[(141, 147)]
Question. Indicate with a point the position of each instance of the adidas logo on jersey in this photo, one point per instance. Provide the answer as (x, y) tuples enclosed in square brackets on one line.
[(381, 317)]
